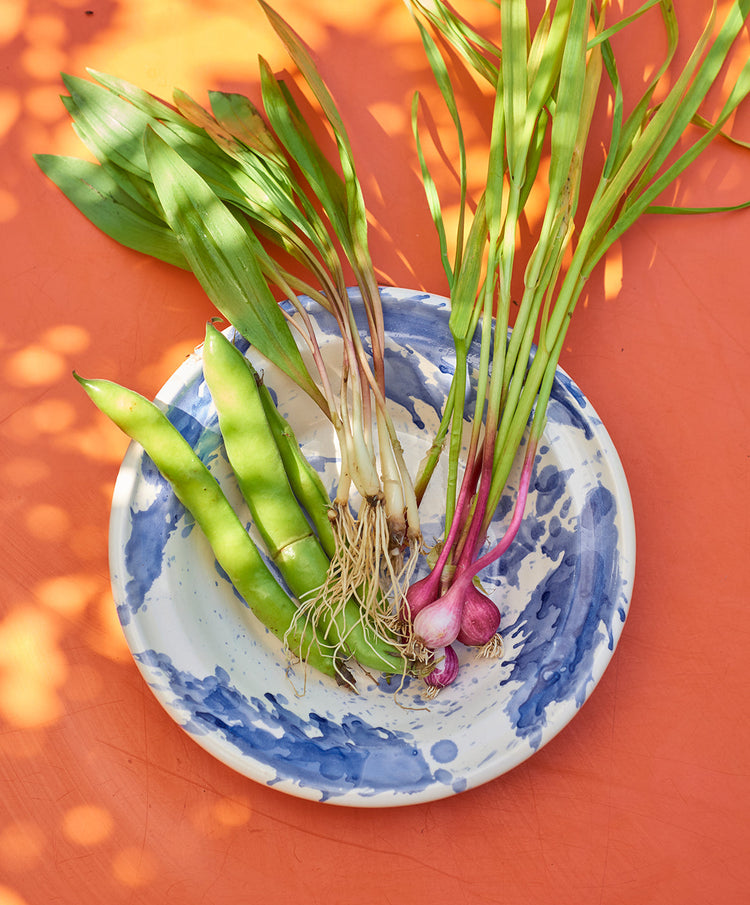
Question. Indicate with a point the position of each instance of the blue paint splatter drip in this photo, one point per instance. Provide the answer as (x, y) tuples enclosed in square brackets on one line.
[(316, 752), (549, 486), (564, 617)]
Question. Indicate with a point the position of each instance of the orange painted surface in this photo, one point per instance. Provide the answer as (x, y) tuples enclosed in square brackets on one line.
[(641, 799)]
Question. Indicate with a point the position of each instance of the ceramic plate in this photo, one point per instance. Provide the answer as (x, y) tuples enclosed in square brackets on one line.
[(563, 589)]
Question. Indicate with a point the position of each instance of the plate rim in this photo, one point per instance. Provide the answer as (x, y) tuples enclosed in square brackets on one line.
[(256, 770)]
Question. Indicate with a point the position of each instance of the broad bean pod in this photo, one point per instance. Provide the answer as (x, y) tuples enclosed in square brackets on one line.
[(259, 468), (200, 493)]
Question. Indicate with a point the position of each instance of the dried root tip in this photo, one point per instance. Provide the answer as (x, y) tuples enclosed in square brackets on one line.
[(493, 649), (432, 692), (344, 678)]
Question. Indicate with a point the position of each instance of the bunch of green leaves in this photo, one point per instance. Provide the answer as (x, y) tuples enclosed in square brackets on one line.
[(546, 87), (231, 192)]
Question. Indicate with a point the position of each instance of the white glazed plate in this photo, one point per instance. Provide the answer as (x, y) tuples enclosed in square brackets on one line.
[(563, 589)]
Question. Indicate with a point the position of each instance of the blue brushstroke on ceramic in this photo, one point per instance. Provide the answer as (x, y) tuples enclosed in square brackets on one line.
[(153, 526), (333, 756), (562, 622), (144, 550)]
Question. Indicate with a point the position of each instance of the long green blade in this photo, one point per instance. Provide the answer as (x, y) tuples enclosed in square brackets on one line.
[(443, 81), (355, 205)]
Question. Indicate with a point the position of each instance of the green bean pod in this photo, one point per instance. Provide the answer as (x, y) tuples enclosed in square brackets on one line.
[(200, 493), (259, 468)]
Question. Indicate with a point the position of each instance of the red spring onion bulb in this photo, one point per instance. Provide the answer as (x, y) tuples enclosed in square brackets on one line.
[(480, 619), (446, 671), (438, 624)]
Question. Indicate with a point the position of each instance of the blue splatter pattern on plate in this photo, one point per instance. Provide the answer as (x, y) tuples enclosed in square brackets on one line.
[(563, 589)]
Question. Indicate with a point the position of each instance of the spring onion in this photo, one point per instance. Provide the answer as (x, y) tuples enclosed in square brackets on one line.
[(546, 85)]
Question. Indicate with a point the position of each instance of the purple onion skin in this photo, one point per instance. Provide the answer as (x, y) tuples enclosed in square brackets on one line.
[(445, 672), (480, 619), (422, 593)]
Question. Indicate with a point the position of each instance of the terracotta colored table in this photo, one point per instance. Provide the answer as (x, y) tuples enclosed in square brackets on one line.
[(642, 799)]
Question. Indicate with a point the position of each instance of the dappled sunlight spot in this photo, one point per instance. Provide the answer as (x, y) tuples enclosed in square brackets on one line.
[(87, 824), (24, 471), (12, 16), (45, 29), (43, 62), (34, 365), (9, 206), (101, 441), (358, 16), (143, 36), (107, 489), (10, 107), (451, 215), (217, 819), (156, 373), (32, 669), (50, 416), (134, 866), (9, 896), (67, 594), (46, 521), (649, 71), (105, 635), (613, 273), (231, 813), (60, 139), (68, 339), (21, 845), (390, 116), (536, 205)]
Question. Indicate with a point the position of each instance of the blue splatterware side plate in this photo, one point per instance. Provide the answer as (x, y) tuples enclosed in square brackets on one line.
[(563, 589)]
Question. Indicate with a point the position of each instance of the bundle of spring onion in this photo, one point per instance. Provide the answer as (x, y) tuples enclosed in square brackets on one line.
[(546, 84), (218, 191)]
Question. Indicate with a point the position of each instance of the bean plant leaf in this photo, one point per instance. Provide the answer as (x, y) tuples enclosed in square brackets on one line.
[(239, 116), (223, 259), (152, 106), (100, 198)]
